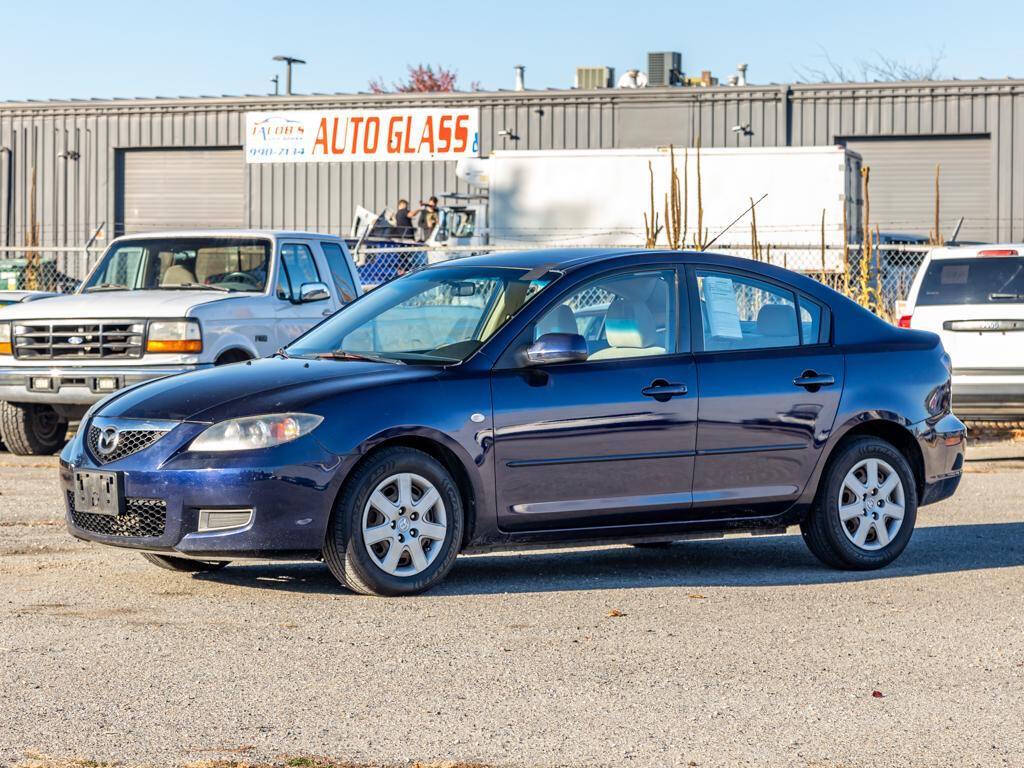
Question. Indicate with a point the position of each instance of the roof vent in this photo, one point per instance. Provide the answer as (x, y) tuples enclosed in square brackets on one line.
[(520, 77)]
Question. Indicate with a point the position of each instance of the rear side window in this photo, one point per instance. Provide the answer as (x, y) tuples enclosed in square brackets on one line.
[(973, 281), (339, 271), (742, 313)]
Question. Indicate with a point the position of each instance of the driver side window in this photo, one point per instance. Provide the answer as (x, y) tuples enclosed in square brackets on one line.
[(297, 267), (625, 315)]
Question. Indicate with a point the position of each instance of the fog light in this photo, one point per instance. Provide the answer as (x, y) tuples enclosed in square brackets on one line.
[(106, 384), (223, 519), (42, 382)]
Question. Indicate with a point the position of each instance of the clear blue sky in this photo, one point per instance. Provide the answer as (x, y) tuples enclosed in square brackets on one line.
[(93, 48)]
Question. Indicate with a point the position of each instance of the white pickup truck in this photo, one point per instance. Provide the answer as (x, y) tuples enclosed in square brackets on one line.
[(159, 304)]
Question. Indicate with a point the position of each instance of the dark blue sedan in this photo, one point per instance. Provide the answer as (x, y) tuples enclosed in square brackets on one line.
[(578, 396)]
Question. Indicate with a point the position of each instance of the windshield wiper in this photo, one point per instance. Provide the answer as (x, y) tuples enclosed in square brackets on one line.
[(1005, 296), (106, 287), (192, 286), (343, 355)]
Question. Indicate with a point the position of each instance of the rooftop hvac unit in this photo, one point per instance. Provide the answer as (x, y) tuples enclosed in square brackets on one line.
[(664, 68), (595, 77)]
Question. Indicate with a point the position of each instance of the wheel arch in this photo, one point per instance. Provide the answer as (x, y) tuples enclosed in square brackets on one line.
[(450, 456), (892, 431), (233, 354)]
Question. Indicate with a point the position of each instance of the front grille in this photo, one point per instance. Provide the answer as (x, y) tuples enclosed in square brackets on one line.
[(78, 339), (142, 518), (129, 441)]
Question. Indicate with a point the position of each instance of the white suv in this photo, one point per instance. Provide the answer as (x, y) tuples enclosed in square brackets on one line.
[(973, 297), (159, 304)]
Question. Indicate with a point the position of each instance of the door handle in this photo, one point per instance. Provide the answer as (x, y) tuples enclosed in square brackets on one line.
[(327, 312), (663, 391), (812, 381)]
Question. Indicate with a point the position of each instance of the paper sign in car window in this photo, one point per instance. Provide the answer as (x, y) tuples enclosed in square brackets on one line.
[(723, 315)]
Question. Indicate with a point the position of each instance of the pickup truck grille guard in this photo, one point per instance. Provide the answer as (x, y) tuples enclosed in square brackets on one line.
[(78, 339)]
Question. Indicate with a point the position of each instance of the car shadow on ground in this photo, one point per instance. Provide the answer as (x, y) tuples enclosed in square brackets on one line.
[(733, 562)]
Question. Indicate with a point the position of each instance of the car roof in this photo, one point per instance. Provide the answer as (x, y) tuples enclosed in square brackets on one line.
[(273, 233), (568, 259), (978, 251), (553, 258)]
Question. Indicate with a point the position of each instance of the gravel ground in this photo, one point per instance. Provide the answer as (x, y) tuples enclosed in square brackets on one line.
[(739, 651)]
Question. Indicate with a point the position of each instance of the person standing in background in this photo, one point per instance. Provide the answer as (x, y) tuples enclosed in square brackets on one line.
[(427, 218), (403, 221)]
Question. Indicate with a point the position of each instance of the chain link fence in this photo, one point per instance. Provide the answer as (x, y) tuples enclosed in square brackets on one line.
[(887, 274), (51, 270)]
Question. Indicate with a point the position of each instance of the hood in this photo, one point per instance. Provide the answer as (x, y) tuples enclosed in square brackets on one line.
[(113, 304), (271, 385)]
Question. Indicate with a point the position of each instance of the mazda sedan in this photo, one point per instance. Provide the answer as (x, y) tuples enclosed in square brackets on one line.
[(557, 397)]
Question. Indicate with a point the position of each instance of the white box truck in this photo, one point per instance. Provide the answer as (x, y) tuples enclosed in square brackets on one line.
[(599, 197)]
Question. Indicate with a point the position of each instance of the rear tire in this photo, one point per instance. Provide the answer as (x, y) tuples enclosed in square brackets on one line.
[(866, 507), (32, 429), (184, 564), (408, 507)]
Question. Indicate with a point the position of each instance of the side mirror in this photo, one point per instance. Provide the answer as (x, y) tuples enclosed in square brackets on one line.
[(557, 348), (313, 292)]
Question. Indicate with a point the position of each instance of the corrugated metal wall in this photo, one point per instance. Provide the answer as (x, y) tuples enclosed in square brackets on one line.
[(75, 196)]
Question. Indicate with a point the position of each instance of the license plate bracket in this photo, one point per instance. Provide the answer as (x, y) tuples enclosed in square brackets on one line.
[(98, 493)]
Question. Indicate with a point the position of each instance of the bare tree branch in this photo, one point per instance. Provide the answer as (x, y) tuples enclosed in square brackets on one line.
[(879, 68)]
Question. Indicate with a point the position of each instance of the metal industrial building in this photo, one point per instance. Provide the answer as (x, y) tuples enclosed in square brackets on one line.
[(127, 165)]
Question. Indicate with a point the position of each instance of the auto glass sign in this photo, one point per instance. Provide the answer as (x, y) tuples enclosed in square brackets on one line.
[(361, 135)]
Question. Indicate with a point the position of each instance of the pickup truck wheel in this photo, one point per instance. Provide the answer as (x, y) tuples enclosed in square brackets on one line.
[(184, 564), (32, 429), (397, 526)]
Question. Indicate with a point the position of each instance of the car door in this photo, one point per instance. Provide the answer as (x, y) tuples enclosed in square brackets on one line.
[(297, 266), (606, 441), (769, 391)]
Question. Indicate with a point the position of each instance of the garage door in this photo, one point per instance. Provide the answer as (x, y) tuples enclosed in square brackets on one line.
[(903, 184), (163, 189)]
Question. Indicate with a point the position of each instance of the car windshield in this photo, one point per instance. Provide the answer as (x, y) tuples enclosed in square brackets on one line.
[(179, 263), (993, 280), (437, 315)]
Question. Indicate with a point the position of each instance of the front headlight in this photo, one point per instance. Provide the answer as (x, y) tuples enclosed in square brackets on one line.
[(252, 432), (5, 338), (174, 336)]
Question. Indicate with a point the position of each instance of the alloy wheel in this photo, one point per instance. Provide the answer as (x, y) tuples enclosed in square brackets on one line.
[(404, 524), (871, 504)]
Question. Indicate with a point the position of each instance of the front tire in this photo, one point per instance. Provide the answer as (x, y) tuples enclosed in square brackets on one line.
[(32, 429), (864, 514), (397, 526), (184, 564)]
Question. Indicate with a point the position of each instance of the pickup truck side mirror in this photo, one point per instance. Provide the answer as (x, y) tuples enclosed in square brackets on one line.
[(557, 348), (313, 292)]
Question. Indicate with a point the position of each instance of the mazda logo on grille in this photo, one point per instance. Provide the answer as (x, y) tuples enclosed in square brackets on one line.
[(108, 439)]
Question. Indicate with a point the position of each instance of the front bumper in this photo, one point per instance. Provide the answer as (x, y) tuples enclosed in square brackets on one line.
[(78, 385), (990, 395), (290, 489)]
